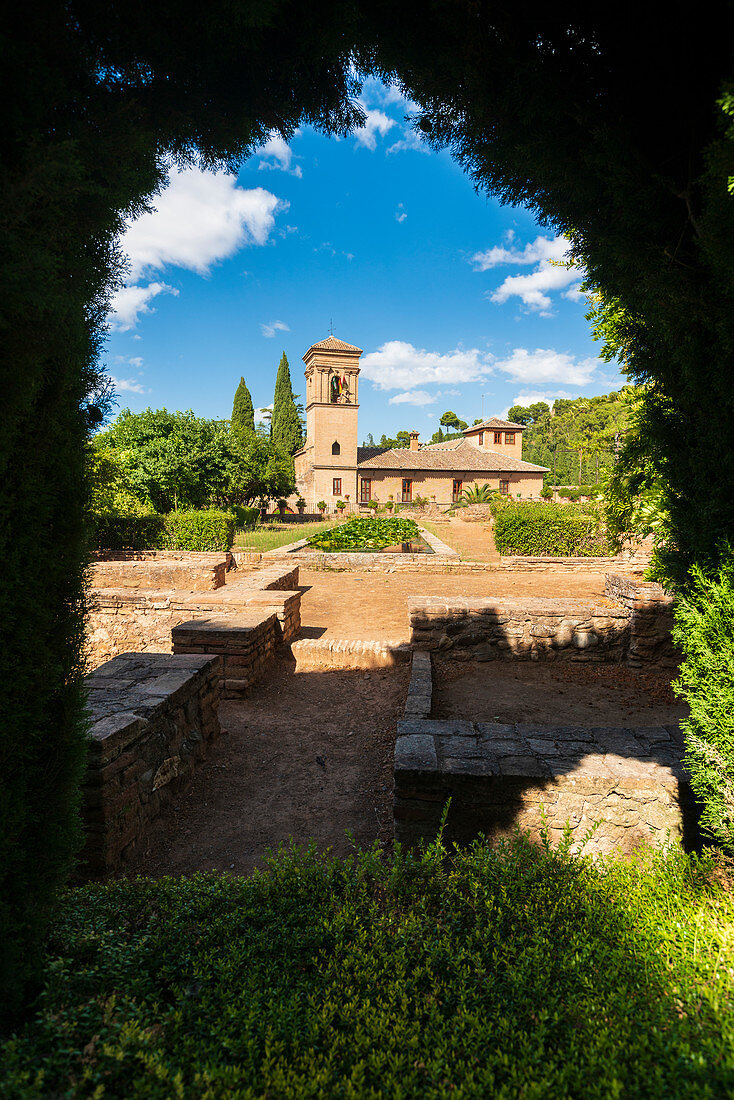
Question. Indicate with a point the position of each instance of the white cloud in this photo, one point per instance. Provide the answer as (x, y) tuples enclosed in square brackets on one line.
[(413, 397), (542, 248), (400, 214), (277, 326), (549, 396), (376, 123), (200, 218), (547, 365), (263, 415), (129, 302), (128, 385), (574, 293), (409, 141), (276, 153), (131, 360), (531, 289), (399, 365)]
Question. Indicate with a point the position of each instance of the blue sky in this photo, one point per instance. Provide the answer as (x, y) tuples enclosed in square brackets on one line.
[(450, 295)]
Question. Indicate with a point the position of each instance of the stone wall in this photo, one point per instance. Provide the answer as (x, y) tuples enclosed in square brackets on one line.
[(534, 628), (194, 576), (627, 782), (152, 717), (245, 643), (122, 620), (348, 653), (651, 619)]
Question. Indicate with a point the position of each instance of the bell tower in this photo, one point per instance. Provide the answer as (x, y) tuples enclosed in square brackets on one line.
[(332, 379)]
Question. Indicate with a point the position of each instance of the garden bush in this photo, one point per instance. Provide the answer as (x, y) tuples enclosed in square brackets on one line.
[(112, 532), (205, 530), (366, 533), (244, 517), (704, 632), (513, 972), (555, 529)]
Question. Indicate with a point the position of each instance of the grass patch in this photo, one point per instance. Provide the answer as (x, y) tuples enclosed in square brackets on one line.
[(516, 972), (273, 535), (368, 534)]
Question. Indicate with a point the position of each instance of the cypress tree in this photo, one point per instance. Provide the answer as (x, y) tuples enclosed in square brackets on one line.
[(243, 412), (285, 426)]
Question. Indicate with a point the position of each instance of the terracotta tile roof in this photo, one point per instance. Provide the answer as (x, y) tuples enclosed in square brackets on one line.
[(363, 453), (495, 422), (454, 454), (331, 343)]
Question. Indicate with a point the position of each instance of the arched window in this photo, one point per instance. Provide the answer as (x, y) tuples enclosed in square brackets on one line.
[(335, 448)]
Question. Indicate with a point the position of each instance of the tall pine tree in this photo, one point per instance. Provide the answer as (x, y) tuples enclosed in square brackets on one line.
[(285, 426), (243, 412)]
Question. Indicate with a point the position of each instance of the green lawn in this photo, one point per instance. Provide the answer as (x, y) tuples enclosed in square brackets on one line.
[(514, 973), (272, 535)]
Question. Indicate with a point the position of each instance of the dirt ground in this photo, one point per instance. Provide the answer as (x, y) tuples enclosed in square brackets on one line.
[(307, 755), (554, 694), (374, 606)]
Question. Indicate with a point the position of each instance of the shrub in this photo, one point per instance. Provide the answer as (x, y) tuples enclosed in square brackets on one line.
[(112, 532), (204, 530), (341, 505), (366, 533), (555, 529), (704, 632), (509, 972), (321, 505), (244, 517), (477, 494)]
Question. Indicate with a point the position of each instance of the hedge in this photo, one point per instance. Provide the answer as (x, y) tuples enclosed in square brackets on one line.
[(558, 530), (203, 530), (514, 972), (244, 517)]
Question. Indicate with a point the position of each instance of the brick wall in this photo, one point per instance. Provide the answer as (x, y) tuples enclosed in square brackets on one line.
[(152, 717), (245, 643)]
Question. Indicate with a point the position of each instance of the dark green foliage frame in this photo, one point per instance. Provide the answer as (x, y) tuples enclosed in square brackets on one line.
[(604, 123)]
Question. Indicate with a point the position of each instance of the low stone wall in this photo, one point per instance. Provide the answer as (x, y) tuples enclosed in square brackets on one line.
[(245, 643), (121, 620), (348, 653), (534, 628), (518, 564), (651, 619), (194, 576), (627, 782), (420, 691), (152, 716)]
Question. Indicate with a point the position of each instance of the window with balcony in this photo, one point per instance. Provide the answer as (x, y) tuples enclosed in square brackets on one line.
[(498, 437), (406, 495), (365, 490), (336, 486), (504, 487), (509, 437), (456, 490)]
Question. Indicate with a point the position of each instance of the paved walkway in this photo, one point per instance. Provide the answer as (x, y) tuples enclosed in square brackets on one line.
[(474, 541)]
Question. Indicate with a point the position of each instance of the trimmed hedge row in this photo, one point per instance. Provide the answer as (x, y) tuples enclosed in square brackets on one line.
[(515, 972), (203, 530), (558, 530)]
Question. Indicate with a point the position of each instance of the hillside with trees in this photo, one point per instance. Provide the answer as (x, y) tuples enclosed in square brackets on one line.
[(577, 439)]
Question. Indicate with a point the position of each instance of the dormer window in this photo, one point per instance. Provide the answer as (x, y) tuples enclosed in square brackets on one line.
[(335, 448), (509, 437)]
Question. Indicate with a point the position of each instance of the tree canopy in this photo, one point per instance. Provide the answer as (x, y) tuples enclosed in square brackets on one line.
[(285, 425), (243, 412)]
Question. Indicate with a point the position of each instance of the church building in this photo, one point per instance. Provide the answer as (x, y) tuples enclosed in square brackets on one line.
[(331, 466)]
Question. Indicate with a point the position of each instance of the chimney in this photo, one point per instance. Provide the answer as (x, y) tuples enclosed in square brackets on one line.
[(414, 444)]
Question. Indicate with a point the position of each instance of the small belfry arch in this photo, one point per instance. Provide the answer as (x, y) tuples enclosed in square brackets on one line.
[(335, 448)]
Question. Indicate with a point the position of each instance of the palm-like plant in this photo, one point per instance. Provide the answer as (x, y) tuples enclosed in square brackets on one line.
[(478, 494)]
